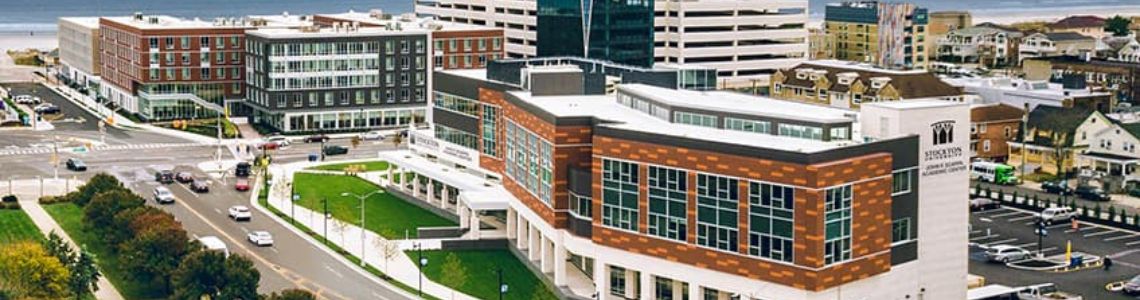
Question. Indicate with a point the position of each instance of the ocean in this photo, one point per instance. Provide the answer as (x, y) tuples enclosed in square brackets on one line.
[(23, 16)]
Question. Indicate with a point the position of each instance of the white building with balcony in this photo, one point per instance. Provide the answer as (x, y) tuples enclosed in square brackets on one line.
[(985, 45)]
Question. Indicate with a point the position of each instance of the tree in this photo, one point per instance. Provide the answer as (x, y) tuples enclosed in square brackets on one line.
[(292, 294), (355, 142), (388, 248), (454, 274), (97, 184), (28, 271), (60, 249), (397, 139), (1060, 144), (199, 274), (240, 279), (155, 252), (1118, 25), (122, 230), (341, 227), (100, 213), (84, 275)]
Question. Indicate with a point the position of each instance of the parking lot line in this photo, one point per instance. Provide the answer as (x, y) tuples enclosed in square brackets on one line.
[(1119, 237), (1132, 243), (990, 211), (1021, 218), (984, 237), (1025, 245), (999, 242), (1002, 215), (1100, 233), (1055, 226), (1088, 227)]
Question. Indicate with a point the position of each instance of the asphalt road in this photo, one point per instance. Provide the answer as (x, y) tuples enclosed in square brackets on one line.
[(291, 263), (1007, 226), (1042, 196)]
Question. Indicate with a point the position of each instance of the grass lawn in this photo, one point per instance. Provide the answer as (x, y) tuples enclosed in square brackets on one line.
[(15, 225), (387, 215), (70, 217), (369, 166), (482, 280)]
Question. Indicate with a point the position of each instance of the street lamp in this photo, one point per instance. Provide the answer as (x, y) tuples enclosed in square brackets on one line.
[(502, 285), (422, 263), (347, 194)]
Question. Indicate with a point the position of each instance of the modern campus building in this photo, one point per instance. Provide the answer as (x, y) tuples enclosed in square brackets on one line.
[(850, 85), (327, 79), (745, 41), (455, 45), (891, 35), (658, 193), (79, 50)]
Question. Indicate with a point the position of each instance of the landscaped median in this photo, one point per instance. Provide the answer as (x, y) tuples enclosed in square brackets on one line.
[(480, 273), (368, 166), (385, 214), (15, 225)]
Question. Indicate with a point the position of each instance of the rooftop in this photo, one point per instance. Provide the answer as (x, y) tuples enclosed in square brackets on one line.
[(167, 22), (741, 103), (1067, 36), (861, 67), (89, 22), (1078, 22), (379, 18), (910, 84), (1037, 88), (324, 31), (995, 112)]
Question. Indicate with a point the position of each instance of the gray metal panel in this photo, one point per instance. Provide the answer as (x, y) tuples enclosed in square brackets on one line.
[(556, 84), (455, 120)]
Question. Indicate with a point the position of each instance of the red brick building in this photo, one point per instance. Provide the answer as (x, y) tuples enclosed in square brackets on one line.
[(991, 128), (455, 45)]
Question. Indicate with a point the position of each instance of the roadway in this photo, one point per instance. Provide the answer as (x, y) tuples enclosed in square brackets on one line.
[(1051, 197)]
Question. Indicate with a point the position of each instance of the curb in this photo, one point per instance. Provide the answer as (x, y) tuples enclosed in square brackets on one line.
[(80, 105)]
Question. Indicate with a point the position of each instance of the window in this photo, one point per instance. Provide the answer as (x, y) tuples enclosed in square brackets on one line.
[(667, 203), (205, 73), (619, 194), (839, 134), (203, 42), (581, 206), (771, 216), (154, 43), (900, 230), (986, 145), (747, 125), (456, 136), (490, 136), (617, 281), (800, 131), (900, 182), (663, 289), (529, 161), (717, 212), (982, 128), (837, 225), (169, 43), (185, 42), (694, 119), (1008, 132)]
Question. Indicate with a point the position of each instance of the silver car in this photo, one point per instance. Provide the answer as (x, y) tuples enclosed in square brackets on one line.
[(1006, 253)]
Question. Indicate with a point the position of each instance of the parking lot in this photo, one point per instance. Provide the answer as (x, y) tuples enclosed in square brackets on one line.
[(1010, 226)]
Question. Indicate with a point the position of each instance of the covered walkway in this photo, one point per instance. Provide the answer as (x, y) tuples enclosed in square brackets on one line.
[(476, 199)]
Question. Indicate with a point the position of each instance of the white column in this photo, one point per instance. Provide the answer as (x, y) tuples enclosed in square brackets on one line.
[(416, 186), (559, 263), (535, 239), (463, 216), (512, 223), (546, 259), (390, 174), (695, 291), (446, 194), (473, 216), (602, 279), (402, 180), (646, 288), (522, 235), (430, 190)]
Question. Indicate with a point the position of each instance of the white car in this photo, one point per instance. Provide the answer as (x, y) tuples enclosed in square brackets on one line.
[(26, 99), (277, 141), (163, 195), (1006, 253), (261, 238), (1057, 214), (372, 135), (240, 213)]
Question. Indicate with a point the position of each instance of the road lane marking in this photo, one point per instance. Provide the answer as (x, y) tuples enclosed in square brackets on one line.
[(333, 271), (274, 249), (1088, 227), (1006, 214), (985, 220), (1132, 243), (999, 242), (244, 230), (218, 210), (984, 237), (1021, 218), (1120, 237), (975, 231), (1098, 233), (1055, 226)]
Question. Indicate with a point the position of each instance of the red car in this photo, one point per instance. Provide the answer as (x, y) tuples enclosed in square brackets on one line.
[(242, 185)]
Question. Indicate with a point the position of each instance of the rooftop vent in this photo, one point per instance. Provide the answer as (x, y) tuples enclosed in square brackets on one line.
[(152, 20), (138, 16)]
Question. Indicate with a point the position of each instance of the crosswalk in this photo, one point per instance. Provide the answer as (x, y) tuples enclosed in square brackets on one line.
[(48, 150)]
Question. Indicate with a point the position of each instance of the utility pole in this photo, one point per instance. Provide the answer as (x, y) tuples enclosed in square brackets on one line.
[(1024, 143), (326, 217), (55, 155)]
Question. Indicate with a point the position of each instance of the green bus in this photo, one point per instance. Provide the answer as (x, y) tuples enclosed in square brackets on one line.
[(993, 173)]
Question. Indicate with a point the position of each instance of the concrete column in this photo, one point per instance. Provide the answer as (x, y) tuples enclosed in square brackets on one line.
[(512, 224), (546, 257), (522, 234), (535, 239), (695, 291), (390, 174), (463, 216), (430, 190), (473, 216), (415, 186), (602, 279), (446, 197), (560, 263), (402, 179)]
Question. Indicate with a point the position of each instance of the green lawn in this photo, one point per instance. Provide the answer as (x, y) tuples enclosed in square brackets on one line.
[(15, 225), (70, 217), (482, 280), (369, 166), (387, 215)]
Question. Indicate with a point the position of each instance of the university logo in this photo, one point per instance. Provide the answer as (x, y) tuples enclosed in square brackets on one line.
[(942, 132)]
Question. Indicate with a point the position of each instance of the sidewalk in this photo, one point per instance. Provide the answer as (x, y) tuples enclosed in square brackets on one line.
[(348, 236), (28, 192)]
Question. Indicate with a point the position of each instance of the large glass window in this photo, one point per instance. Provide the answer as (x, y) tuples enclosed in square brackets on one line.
[(617, 281), (771, 215), (490, 136), (837, 225), (800, 131), (694, 119), (529, 161), (456, 136), (667, 202), (619, 194), (900, 231), (747, 125), (581, 206), (457, 104), (717, 212), (900, 182)]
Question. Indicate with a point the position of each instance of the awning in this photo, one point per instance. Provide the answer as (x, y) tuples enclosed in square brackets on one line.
[(1109, 157), (475, 191)]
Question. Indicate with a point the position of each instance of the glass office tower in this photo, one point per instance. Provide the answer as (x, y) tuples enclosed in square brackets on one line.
[(615, 30)]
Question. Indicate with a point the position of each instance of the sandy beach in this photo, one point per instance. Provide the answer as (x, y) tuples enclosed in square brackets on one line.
[(19, 41), (1002, 16)]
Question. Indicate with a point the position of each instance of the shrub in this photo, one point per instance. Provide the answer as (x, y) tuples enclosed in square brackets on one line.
[(1111, 213), (9, 205), (1001, 195), (1096, 211), (1014, 196), (53, 199), (9, 198)]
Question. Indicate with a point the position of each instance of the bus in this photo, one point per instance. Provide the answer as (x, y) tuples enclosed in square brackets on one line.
[(993, 172)]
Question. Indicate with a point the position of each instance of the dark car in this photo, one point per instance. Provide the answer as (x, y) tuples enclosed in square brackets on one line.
[(75, 164), (317, 138), (1132, 287), (184, 177), (164, 176), (1092, 193), (336, 150), (200, 186), (46, 109), (242, 169), (1057, 187)]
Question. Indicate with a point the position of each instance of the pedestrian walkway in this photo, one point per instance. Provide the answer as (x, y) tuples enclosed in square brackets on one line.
[(47, 150), (348, 237), (27, 191)]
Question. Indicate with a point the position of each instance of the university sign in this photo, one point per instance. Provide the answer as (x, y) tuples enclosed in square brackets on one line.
[(426, 143), (943, 156)]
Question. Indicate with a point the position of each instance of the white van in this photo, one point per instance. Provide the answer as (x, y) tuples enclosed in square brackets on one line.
[(215, 244)]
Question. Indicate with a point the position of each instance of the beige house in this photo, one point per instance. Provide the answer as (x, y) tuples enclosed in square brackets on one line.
[(848, 85)]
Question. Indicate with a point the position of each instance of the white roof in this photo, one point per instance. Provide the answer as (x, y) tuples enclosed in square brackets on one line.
[(480, 74), (165, 22), (330, 32), (916, 103), (742, 104), (88, 22), (406, 21), (1039, 88), (212, 242), (490, 195), (856, 66)]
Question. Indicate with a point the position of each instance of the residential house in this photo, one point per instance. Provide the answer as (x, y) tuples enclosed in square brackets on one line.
[(1120, 78), (1120, 48), (1092, 26), (1045, 44), (848, 85), (1021, 93), (987, 44), (1050, 143), (992, 127), (942, 23), (1110, 152)]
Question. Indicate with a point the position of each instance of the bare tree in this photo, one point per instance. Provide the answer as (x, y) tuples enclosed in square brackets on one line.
[(1060, 145), (388, 248)]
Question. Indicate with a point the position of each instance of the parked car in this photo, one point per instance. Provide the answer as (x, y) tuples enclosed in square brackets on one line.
[(184, 177), (242, 169), (200, 186), (1132, 287), (46, 109), (1045, 291), (241, 185), (1092, 193), (75, 164), (26, 99), (162, 195), (1006, 253), (336, 150), (1057, 214), (372, 135), (1057, 187), (260, 238), (164, 176), (240, 213), (982, 203), (273, 142), (316, 138)]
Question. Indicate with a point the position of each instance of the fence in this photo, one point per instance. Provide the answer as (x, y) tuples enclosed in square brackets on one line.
[(1107, 214)]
